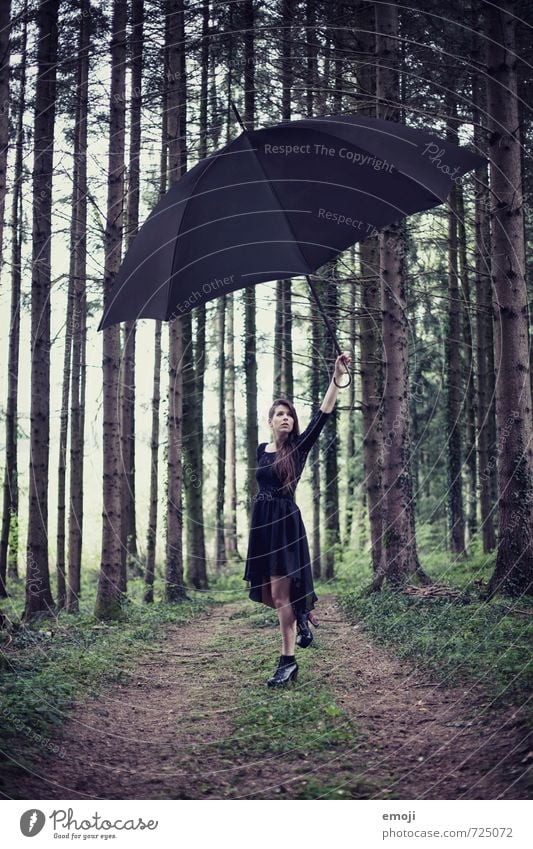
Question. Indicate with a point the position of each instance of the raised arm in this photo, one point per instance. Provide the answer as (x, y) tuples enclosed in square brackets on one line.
[(330, 397), (309, 436)]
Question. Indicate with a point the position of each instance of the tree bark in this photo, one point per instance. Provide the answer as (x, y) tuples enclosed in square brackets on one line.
[(232, 551), (454, 372), (110, 583), (316, 320), (399, 541), (316, 381), (128, 532), (175, 590), (68, 596), (484, 338), (151, 536), (196, 571), (220, 540), (468, 371), (350, 449), (200, 349), (38, 594), (285, 286), (371, 366), (5, 28), (513, 573), (9, 542), (330, 443), (249, 299)]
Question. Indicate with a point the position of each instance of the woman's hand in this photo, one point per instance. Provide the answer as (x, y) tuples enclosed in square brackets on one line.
[(342, 360)]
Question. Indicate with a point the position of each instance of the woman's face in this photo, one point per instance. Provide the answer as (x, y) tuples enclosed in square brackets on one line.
[(282, 422)]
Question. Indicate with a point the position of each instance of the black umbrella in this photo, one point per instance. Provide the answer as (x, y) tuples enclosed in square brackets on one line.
[(278, 202)]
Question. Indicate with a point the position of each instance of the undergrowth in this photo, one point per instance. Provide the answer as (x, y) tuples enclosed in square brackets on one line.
[(49, 663), (467, 639)]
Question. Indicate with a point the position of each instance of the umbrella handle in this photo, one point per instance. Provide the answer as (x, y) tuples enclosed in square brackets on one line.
[(237, 115), (331, 332), (343, 385)]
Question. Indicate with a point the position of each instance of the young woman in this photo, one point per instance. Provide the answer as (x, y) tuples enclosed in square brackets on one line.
[(278, 563)]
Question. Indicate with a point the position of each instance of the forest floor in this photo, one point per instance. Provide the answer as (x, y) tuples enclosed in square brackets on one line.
[(195, 720)]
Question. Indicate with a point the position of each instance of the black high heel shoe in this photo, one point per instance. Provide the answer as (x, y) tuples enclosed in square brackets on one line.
[(304, 637), (284, 674)]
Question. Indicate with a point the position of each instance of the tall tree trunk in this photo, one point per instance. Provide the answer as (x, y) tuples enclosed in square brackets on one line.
[(38, 594), (200, 358), (453, 369), (338, 38), (325, 82), (128, 532), (220, 541), (204, 80), (316, 320), (331, 440), (249, 300), (248, 15), (311, 53), (484, 340), (399, 542), (513, 573), (151, 536), (63, 416), (414, 398), (75, 337), (370, 323), (277, 371), (316, 380), (196, 572), (287, 364), (9, 543), (5, 27), (231, 446), (216, 122), (285, 286), (110, 583), (350, 435), (175, 590), (468, 371)]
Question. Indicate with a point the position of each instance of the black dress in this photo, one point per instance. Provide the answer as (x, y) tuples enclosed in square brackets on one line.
[(278, 542)]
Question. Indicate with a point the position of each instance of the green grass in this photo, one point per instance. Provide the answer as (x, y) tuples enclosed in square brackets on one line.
[(303, 725), (290, 719), (456, 642), (51, 663), (345, 786), (467, 640)]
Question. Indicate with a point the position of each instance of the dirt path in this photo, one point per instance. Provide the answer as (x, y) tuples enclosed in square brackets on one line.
[(167, 733)]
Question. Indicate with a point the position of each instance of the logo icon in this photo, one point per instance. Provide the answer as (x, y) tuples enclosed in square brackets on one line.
[(31, 822)]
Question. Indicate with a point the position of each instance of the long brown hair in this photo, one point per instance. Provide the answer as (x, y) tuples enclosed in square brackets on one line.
[(284, 464)]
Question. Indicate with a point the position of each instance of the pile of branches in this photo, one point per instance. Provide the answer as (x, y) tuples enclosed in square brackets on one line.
[(433, 591)]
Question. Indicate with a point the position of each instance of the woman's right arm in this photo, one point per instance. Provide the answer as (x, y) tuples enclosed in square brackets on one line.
[(307, 439)]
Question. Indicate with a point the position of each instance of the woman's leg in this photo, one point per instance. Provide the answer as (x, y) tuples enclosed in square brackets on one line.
[(280, 587), (266, 594)]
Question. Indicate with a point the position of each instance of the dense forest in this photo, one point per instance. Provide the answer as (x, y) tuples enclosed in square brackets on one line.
[(130, 455)]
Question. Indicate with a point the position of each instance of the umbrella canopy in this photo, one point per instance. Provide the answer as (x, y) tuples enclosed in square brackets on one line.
[(278, 202)]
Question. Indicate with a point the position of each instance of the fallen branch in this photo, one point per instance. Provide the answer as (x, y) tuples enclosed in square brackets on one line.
[(433, 591), (516, 610)]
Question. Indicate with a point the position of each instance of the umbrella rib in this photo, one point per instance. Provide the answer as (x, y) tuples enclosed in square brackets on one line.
[(196, 182), (272, 189)]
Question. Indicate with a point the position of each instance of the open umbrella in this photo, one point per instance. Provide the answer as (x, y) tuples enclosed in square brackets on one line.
[(278, 202)]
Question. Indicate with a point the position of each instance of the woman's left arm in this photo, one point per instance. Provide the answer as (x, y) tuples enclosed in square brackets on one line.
[(330, 398)]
